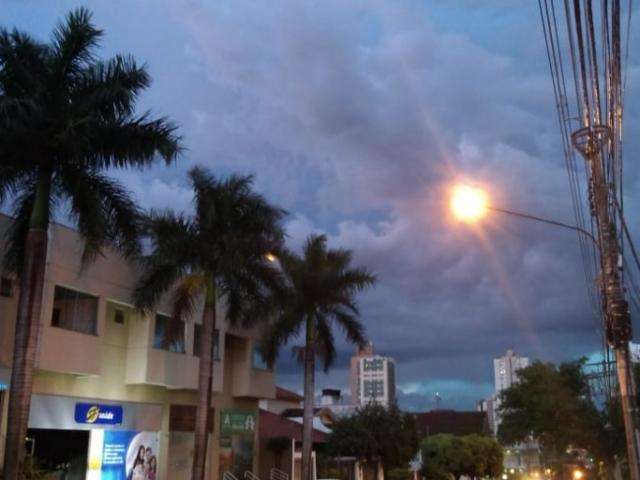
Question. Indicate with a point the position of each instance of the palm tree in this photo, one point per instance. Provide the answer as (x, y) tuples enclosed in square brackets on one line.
[(65, 117), (220, 252), (321, 286)]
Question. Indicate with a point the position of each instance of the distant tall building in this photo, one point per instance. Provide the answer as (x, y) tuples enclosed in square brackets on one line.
[(372, 378), (505, 370), (505, 373)]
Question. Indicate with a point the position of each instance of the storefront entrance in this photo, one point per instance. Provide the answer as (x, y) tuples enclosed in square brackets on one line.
[(237, 437), (78, 438), (61, 451)]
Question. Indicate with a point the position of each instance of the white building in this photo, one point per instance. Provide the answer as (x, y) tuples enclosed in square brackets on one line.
[(524, 456), (372, 378), (505, 370)]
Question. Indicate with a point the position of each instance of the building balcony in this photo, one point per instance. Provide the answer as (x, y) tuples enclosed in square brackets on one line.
[(67, 351), (153, 366), (247, 379)]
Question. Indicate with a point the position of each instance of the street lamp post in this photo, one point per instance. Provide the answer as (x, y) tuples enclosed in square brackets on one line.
[(470, 204)]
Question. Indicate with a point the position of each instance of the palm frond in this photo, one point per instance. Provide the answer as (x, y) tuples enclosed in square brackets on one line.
[(279, 332), (104, 211), (131, 143), (173, 255), (353, 328), (156, 280), (73, 41), (12, 179), (355, 280), (189, 291), (16, 234), (339, 259), (315, 252), (173, 237), (23, 63), (110, 88)]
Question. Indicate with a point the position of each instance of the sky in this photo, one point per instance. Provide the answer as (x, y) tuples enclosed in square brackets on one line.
[(357, 117)]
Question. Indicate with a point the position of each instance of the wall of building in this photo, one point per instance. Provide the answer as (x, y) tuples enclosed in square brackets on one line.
[(118, 363)]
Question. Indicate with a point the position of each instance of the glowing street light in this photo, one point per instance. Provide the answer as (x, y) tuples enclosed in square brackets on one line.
[(468, 203), (270, 257), (578, 474)]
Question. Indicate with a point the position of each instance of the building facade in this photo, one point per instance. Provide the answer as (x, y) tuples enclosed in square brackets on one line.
[(524, 456), (110, 388), (505, 374), (372, 378), (505, 370)]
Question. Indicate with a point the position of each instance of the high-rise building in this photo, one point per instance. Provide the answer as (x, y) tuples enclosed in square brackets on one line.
[(524, 455), (505, 370), (372, 378)]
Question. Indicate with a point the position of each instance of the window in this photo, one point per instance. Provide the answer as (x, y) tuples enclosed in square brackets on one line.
[(257, 361), (6, 289), (118, 316), (197, 331), (373, 364), (373, 388), (168, 335), (75, 311)]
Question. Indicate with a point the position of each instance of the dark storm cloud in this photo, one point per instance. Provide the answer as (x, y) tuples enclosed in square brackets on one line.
[(357, 117)]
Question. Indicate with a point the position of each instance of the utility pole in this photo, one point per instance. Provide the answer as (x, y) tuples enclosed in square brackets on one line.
[(590, 141)]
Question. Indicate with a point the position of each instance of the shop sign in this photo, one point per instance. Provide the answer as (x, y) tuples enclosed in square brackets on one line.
[(237, 422), (98, 414)]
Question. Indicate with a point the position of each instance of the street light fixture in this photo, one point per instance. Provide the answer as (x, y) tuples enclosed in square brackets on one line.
[(470, 204)]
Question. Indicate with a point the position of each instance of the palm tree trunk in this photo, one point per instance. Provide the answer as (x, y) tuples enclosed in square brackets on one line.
[(205, 380), (27, 334), (309, 388)]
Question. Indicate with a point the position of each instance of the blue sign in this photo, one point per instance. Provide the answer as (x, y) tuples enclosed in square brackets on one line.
[(97, 414)]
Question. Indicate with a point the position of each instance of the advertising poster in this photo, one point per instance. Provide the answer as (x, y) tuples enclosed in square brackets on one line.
[(124, 455)]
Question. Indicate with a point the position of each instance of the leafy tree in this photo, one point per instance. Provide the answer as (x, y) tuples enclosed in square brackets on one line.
[(553, 404), (447, 457), (376, 434), (65, 117), (320, 290), (219, 253)]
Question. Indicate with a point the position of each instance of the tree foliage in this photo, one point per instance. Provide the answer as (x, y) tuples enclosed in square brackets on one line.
[(447, 456), (322, 285), (553, 404), (65, 117), (375, 433), (222, 248)]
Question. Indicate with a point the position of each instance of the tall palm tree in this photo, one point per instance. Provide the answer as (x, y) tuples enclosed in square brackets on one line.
[(65, 117), (220, 252), (321, 287)]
